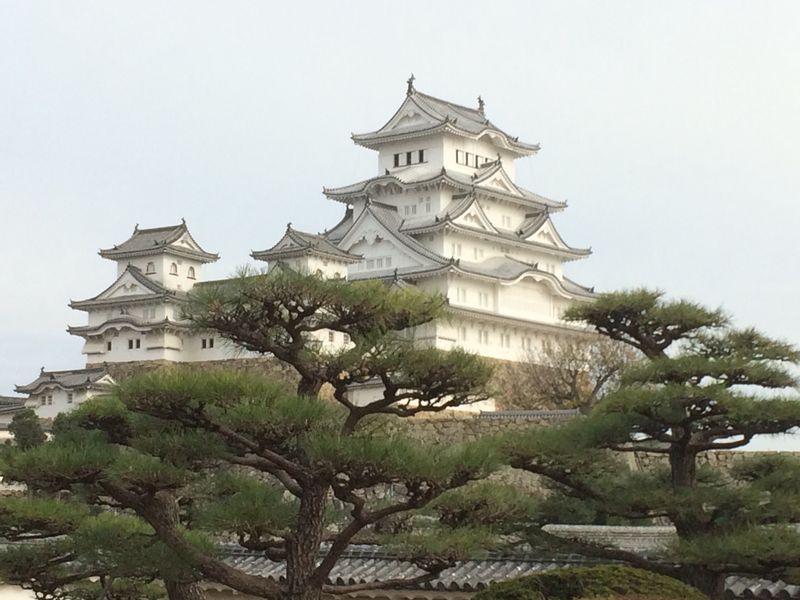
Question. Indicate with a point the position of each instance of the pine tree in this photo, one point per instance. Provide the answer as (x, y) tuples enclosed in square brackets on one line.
[(706, 387), (195, 457), (26, 429)]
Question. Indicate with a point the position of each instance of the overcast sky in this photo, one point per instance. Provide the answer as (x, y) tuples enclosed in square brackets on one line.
[(671, 128)]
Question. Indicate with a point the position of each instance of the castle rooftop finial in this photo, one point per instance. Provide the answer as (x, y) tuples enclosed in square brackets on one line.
[(481, 105), (410, 83)]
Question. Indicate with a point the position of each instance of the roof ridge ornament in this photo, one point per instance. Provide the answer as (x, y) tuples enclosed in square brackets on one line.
[(410, 81), (481, 105), (136, 228)]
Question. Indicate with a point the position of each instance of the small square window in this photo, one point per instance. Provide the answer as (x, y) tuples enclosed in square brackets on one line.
[(346, 338), (331, 337), (396, 160), (69, 397)]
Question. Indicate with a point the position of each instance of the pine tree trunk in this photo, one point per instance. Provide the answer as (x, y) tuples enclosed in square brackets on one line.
[(302, 549), (184, 591)]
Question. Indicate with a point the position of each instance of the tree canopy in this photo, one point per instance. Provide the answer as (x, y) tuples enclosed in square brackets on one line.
[(705, 387), (187, 459)]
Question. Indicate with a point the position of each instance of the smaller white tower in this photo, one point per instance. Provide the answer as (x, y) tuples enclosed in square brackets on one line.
[(138, 317)]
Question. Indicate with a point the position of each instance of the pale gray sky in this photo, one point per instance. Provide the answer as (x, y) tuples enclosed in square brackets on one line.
[(671, 128)]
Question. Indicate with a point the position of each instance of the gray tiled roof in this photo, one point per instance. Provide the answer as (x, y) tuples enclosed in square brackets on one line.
[(461, 181), (70, 379), (146, 282), (300, 242), (365, 564), (156, 240), (444, 113), (11, 404), (338, 231), (389, 217)]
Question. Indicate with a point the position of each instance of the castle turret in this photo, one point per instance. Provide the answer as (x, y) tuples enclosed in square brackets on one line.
[(139, 316)]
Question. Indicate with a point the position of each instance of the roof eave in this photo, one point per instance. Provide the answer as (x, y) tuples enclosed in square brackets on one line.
[(203, 257)]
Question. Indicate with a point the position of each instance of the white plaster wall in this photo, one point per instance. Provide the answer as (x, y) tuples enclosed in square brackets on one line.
[(383, 249), (528, 299), (59, 401), (433, 156), (483, 147)]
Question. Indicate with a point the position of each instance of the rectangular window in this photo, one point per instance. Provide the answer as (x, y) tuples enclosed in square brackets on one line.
[(422, 156), (461, 294), (483, 299), (379, 263), (49, 399), (138, 343), (210, 342), (483, 336), (42, 400), (371, 263), (69, 397), (388, 261), (505, 340), (408, 158), (108, 346), (330, 337), (396, 160), (460, 157), (130, 344), (204, 343), (462, 333), (526, 343)]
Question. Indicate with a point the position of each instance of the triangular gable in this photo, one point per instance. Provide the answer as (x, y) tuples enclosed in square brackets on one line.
[(187, 242), (498, 179), (105, 380), (290, 242), (128, 284), (369, 229), (547, 234), (475, 217), (410, 114)]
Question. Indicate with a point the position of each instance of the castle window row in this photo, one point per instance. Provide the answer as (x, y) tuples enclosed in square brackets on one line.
[(484, 338), (415, 157), (150, 269), (383, 262), (137, 343), (207, 343), (469, 159)]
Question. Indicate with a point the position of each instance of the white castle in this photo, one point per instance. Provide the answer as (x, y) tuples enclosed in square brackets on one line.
[(443, 214)]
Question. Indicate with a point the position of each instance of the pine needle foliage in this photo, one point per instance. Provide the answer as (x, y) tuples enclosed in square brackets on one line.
[(705, 387), (178, 459)]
